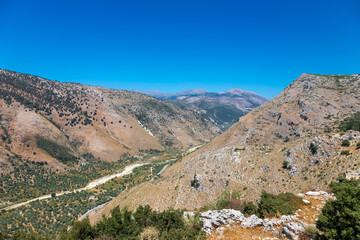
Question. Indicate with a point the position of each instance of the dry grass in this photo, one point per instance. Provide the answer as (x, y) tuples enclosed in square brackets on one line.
[(307, 215)]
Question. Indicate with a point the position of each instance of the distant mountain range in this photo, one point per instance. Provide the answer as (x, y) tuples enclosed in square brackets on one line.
[(222, 108)]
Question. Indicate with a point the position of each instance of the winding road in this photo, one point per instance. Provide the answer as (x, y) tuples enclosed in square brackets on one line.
[(128, 169)]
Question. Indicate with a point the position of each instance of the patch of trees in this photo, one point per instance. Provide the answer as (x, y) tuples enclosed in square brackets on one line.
[(126, 224), (55, 150)]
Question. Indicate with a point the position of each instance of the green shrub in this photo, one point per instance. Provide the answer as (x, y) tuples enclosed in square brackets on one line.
[(345, 143), (358, 145), (285, 164), (340, 218), (345, 152), (250, 208), (313, 148), (195, 182), (223, 202), (283, 203)]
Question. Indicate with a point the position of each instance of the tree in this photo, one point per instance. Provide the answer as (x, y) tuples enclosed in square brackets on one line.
[(358, 145), (81, 230), (345, 143), (195, 182), (340, 218), (313, 148), (285, 165)]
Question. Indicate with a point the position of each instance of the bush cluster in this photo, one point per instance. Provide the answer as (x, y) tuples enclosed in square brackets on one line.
[(340, 218), (351, 123), (125, 224), (269, 204)]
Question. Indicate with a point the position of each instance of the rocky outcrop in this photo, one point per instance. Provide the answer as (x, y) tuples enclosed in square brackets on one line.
[(289, 226), (214, 219), (215, 222)]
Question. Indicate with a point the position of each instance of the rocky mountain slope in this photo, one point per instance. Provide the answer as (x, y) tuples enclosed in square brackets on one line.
[(290, 143), (222, 108), (56, 123)]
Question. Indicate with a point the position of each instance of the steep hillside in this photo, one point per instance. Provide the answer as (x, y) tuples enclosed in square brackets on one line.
[(222, 108), (85, 119), (291, 143)]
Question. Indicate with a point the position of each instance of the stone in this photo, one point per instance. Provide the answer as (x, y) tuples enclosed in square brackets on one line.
[(293, 229), (251, 222)]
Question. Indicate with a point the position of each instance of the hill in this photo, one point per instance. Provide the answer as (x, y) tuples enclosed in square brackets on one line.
[(222, 108), (57, 136), (291, 143)]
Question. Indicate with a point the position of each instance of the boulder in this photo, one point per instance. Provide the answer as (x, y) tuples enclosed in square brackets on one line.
[(251, 222), (293, 229)]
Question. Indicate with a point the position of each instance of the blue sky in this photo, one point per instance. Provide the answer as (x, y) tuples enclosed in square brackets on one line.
[(166, 45)]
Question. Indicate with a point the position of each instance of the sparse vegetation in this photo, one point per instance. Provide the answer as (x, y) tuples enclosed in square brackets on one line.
[(351, 123)]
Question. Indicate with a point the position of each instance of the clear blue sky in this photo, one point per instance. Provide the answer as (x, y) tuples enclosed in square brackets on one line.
[(170, 46)]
